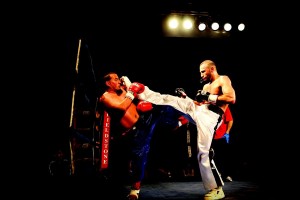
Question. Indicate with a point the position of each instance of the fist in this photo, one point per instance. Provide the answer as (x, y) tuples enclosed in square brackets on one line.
[(180, 92), (202, 96), (125, 82), (136, 88)]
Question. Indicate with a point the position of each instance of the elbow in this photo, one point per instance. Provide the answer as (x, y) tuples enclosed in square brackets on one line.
[(232, 100), (228, 98)]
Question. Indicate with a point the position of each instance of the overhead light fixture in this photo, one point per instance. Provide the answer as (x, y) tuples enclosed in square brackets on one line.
[(199, 24)]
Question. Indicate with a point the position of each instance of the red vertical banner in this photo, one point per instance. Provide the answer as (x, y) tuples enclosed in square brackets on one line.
[(105, 141)]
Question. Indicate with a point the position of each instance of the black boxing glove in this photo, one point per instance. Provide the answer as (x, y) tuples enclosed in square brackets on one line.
[(180, 92), (206, 96)]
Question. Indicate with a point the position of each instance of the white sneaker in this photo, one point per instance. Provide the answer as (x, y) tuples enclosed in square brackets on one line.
[(133, 195), (215, 194)]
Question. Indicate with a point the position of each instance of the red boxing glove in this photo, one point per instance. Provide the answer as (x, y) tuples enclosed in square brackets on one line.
[(182, 120), (144, 106), (136, 88)]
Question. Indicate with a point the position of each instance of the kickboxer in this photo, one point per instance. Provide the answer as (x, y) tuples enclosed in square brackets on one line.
[(206, 110), (136, 119)]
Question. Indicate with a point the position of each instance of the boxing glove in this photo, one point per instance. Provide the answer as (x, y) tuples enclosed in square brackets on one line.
[(226, 136), (125, 82), (144, 106), (136, 88), (206, 96), (180, 92)]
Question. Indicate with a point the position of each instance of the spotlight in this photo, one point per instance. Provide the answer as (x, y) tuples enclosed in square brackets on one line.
[(227, 26), (187, 24), (202, 26), (173, 23), (215, 26), (241, 27)]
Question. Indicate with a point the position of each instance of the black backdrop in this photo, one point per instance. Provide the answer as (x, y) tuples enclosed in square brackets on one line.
[(145, 55)]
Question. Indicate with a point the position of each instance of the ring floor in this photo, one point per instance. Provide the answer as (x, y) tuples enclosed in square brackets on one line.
[(160, 190)]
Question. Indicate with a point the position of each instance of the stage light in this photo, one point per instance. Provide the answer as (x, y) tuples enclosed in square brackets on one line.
[(241, 27), (173, 23), (215, 26), (194, 24), (202, 26), (187, 24), (227, 26)]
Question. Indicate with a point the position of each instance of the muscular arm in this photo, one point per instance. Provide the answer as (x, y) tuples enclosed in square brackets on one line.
[(228, 93), (229, 125), (114, 101)]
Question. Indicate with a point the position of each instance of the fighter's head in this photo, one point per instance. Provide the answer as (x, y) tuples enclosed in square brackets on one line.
[(207, 69), (112, 81)]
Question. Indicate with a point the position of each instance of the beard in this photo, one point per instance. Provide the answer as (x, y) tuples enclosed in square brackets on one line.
[(203, 82)]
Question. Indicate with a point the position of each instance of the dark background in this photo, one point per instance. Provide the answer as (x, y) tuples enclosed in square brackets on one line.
[(111, 41)]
